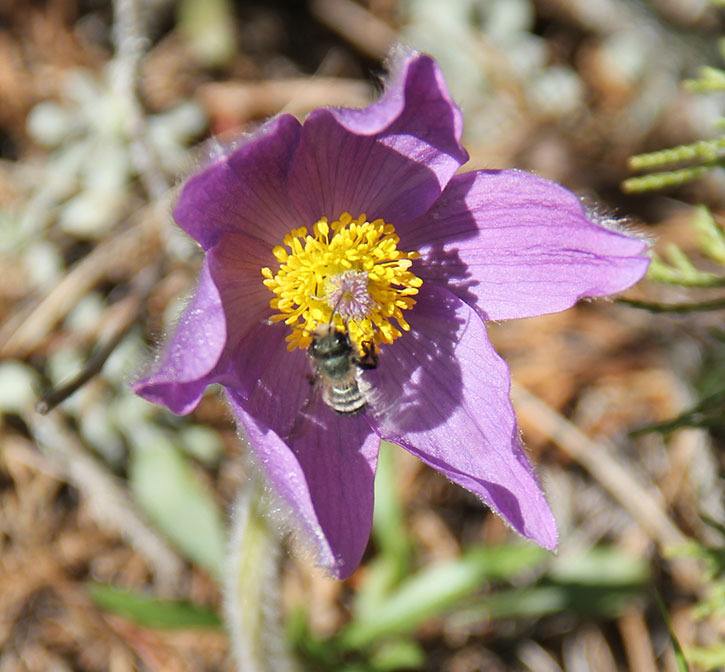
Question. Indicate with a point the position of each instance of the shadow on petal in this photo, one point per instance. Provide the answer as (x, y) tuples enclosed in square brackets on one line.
[(500, 498), (420, 370), (517, 245), (447, 394)]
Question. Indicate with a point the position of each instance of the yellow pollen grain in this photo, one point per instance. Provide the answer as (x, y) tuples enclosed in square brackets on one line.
[(307, 261)]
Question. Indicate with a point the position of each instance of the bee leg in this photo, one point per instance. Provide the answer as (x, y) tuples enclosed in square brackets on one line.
[(369, 358)]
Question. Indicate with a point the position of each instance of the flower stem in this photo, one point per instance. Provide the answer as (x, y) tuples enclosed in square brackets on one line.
[(251, 589), (715, 304)]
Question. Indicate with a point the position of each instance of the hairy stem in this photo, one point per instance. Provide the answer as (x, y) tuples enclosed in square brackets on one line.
[(251, 589), (131, 42)]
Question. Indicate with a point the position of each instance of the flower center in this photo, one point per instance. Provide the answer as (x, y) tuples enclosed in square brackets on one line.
[(350, 273)]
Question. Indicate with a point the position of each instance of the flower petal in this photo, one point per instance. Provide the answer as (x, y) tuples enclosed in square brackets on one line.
[(321, 464), (235, 263), (244, 191), (443, 394), (191, 355), (229, 303), (515, 245), (390, 160)]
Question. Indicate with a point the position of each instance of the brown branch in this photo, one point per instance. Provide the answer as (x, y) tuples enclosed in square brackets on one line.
[(124, 315), (637, 642), (363, 30), (598, 459)]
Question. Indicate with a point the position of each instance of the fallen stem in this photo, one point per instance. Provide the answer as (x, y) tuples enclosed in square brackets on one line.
[(708, 412), (597, 457)]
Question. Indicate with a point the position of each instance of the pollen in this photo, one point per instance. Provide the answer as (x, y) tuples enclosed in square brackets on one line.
[(349, 273)]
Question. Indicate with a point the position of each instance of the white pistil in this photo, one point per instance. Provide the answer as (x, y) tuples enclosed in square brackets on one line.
[(348, 296)]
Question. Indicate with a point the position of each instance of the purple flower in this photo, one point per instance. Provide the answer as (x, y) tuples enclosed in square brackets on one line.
[(355, 223)]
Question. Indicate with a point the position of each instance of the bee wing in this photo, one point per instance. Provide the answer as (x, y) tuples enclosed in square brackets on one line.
[(306, 412), (378, 404)]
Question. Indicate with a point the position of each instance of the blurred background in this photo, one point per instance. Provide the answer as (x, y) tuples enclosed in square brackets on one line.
[(113, 513)]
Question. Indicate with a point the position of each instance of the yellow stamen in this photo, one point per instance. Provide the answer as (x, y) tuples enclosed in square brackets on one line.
[(350, 267)]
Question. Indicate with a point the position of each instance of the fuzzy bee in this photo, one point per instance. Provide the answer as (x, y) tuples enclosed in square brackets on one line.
[(337, 367)]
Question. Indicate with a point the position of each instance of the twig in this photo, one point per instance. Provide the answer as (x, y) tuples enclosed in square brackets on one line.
[(597, 458), (91, 369), (708, 412), (636, 640), (125, 315), (109, 503), (363, 30)]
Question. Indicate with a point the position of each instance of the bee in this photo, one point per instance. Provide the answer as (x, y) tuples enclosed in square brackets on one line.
[(337, 367)]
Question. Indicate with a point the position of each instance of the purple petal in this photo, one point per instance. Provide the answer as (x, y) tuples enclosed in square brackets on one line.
[(390, 160), (235, 263), (189, 360), (515, 245), (321, 464), (207, 345), (443, 394), (244, 191)]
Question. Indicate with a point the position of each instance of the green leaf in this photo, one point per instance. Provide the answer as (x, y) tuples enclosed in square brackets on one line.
[(381, 576), (389, 532), (437, 589), (600, 566), (681, 271), (708, 658), (150, 612), (713, 569), (714, 558), (544, 600), (166, 487), (664, 180), (209, 29), (599, 582), (202, 443), (712, 236), (403, 654), (388, 525), (710, 79), (701, 151), (317, 654)]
